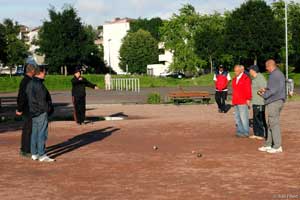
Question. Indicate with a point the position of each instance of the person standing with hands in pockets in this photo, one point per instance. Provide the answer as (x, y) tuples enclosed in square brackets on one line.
[(79, 84)]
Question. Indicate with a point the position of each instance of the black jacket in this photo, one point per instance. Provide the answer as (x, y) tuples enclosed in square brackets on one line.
[(39, 99), (78, 86), (22, 103)]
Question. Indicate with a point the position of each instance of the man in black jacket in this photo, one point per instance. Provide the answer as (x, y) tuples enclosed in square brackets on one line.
[(78, 95), (22, 109), (40, 105)]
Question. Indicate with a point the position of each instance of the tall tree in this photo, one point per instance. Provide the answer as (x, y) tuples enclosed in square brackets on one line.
[(64, 40), (15, 50), (294, 17), (137, 51), (151, 25), (3, 44), (209, 37), (252, 31), (178, 34)]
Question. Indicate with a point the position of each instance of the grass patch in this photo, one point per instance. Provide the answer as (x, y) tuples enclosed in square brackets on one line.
[(59, 82)]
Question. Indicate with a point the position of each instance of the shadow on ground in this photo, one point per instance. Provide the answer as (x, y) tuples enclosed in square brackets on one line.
[(79, 141)]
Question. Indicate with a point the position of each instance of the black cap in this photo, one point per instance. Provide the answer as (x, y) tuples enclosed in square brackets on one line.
[(77, 69), (254, 67)]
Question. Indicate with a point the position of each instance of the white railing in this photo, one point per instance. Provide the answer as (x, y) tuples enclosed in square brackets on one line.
[(125, 84)]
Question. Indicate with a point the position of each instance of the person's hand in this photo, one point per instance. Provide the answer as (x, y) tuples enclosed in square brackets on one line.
[(261, 91), (80, 79), (248, 103), (18, 113), (96, 88)]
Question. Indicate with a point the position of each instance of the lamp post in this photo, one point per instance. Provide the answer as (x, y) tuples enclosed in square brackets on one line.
[(109, 60), (286, 41)]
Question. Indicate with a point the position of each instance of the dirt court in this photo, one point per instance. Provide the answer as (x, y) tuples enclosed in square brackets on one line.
[(115, 160)]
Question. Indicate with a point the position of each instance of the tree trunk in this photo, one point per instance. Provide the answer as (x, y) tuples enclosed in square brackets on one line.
[(62, 70), (10, 71), (66, 71), (255, 60), (211, 64)]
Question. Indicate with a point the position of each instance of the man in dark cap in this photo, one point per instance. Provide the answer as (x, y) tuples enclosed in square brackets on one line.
[(23, 109), (258, 104), (79, 95), (221, 78)]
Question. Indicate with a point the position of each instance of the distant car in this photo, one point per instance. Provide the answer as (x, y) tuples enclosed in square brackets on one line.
[(15, 71), (178, 75), (20, 71)]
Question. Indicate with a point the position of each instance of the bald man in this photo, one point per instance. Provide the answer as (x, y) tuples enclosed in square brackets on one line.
[(241, 96), (274, 96)]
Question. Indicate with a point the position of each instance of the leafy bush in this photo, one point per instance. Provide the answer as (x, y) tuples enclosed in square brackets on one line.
[(154, 98)]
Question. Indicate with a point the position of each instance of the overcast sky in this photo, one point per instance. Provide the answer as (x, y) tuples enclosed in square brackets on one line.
[(33, 12)]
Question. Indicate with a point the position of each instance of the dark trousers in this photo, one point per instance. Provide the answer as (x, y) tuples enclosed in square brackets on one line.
[(259, 121), (79, 109), (221, 97), (26, 134)]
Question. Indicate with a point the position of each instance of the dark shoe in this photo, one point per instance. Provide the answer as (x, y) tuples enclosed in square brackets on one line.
[(227, 108), (24, 154)]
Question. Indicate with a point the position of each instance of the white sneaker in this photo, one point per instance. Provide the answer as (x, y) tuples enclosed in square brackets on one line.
[(279, 150), (45, 158), (35, 157), (264, 149)]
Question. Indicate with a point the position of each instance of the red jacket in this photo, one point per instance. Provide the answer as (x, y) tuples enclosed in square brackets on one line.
[(222, 81), (241, 92)]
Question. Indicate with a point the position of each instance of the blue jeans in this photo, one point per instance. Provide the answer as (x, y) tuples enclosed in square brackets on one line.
[(39, 134), (242, 120)]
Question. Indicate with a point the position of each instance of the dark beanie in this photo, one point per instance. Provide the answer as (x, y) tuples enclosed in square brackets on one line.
[(255, 68)]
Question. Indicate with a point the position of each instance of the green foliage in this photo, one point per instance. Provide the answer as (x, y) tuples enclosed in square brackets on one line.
[(152, 26), (178, 35), (209, 38), (294, 28), (13, 50), (154, 98), (2, 43), (252, 32), (65, 41), (137, 51)]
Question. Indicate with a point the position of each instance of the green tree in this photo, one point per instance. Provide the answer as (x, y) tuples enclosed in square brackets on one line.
[(252, 31), (178, 34), (209, 38), (153, 25), (137, 51), (294, 16), (65, 41), (2, 44), (15, 50)]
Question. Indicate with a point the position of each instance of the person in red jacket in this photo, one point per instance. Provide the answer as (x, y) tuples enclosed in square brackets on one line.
[(222, 79), (241, 96)]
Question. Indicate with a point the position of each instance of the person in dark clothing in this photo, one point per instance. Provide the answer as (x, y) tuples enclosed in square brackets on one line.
[(79, 84), (221, 78), (22, 109), (40, 107)]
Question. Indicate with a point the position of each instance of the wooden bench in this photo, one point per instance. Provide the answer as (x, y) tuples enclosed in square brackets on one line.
[(7, 101), (182, 96)]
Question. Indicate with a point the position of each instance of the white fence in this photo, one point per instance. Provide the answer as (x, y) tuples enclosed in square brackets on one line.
[(125, 84)]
